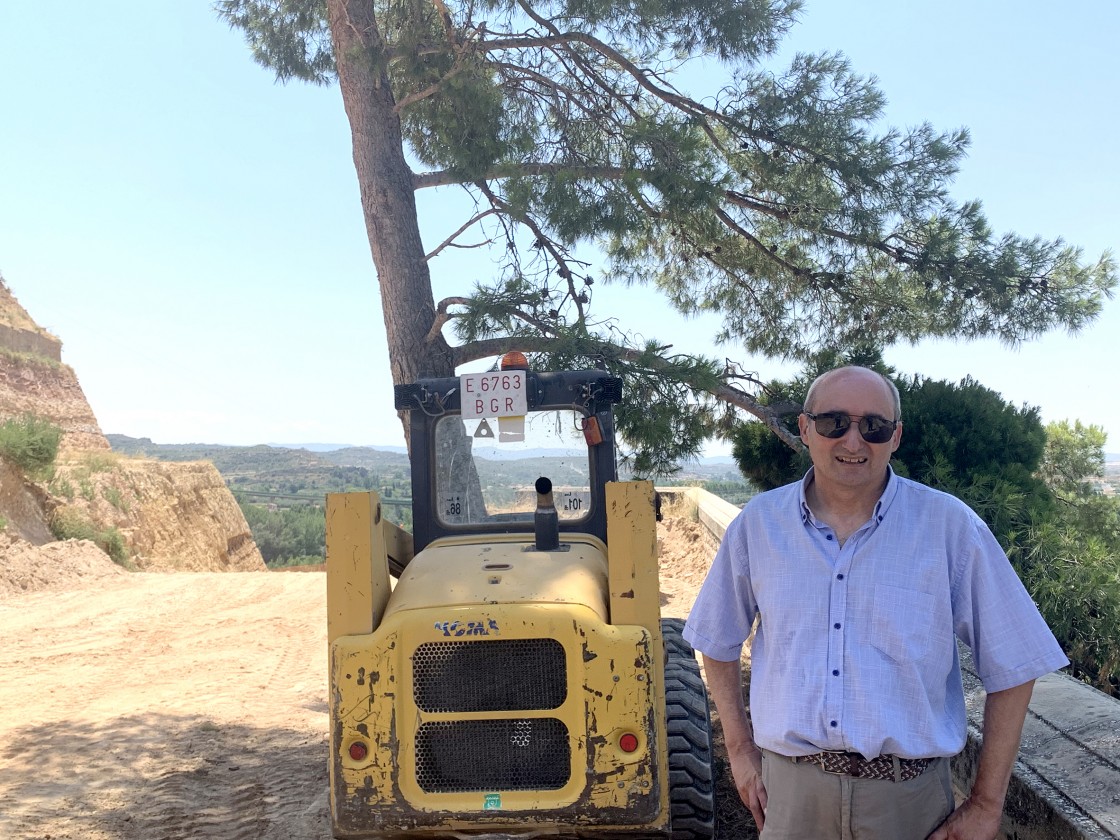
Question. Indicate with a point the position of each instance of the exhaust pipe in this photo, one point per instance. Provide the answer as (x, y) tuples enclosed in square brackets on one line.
[(546, 521)]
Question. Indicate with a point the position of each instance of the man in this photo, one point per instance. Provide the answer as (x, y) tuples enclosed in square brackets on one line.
[(862, 581)]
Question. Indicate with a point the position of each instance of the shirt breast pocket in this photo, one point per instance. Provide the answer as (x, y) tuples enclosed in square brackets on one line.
[(902, 623)]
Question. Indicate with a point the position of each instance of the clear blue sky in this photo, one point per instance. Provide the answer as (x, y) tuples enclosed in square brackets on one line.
[(192, 233)]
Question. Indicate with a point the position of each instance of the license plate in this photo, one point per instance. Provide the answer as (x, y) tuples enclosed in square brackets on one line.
[(494, 394)]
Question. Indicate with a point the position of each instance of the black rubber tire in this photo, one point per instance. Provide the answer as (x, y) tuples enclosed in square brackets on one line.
[(672, 635), (692, 779)]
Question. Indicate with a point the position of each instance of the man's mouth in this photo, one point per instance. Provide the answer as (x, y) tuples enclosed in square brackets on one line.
[(851, 459)]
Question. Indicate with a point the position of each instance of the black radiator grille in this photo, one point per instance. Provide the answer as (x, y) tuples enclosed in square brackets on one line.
[(489, 676), (492, 755)]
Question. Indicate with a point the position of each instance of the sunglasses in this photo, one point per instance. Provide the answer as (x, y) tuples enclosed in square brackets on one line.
[(835, 424)]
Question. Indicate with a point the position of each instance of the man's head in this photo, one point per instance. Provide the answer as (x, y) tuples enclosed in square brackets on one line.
[(843, 409), (812, 393)]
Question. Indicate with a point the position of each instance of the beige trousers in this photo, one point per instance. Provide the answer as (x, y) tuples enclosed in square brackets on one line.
[(805, 803)]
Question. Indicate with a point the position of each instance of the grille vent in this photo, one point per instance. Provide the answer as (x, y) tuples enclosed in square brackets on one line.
[(490, 755), (489, 676)]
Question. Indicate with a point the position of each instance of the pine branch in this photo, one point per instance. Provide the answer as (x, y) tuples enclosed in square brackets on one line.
[(724, 392), (449, 241)]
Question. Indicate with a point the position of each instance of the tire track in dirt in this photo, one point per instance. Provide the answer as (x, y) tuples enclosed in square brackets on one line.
[(159, 707)]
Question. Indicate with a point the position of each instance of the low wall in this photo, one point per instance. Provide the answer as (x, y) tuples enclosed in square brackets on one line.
[(1066, 782), (24, 341)]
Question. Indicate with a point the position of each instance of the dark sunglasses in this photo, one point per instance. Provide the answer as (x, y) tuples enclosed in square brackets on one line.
[(835, 424)]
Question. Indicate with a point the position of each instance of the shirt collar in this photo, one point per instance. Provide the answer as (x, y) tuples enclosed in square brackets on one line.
[(881, 506), (806, 513)]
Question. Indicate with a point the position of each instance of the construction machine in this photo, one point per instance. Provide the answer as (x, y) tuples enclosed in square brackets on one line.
[(504, 669)]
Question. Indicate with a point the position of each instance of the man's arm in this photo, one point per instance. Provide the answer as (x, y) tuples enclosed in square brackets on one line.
[(725, 683), (980, 815)]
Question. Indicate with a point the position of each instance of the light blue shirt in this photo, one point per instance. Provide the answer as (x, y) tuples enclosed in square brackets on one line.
[(856, 645)]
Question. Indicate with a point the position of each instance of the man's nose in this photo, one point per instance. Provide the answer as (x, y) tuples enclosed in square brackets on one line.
[(853, 429)]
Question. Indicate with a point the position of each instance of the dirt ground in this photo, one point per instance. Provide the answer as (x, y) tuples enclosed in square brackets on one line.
[(184, 706)]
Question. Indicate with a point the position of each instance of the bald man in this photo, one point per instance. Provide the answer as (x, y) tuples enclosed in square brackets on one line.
[(862, 581)]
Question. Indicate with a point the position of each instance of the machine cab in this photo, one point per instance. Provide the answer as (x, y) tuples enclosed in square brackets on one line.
[(482, 441)]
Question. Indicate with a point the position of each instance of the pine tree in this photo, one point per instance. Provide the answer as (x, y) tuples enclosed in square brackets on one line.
[(776, 203)]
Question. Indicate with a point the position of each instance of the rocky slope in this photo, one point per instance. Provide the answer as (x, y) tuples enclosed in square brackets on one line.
[(33, 379), (173, 517), (156, 515)]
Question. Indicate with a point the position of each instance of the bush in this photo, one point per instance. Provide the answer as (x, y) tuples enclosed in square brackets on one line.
[(96, 462), (1074, 577), (113, 496), (29, 442), (288, 536), (61, 486), (70, 525)]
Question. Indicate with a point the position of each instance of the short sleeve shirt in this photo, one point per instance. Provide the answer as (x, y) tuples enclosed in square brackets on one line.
[(855, 648)]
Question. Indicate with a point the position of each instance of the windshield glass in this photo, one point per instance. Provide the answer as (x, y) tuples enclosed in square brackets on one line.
[(486, 468)]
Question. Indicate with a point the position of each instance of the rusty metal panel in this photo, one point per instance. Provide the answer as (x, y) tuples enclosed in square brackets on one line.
[(613, 678), (635, 595), (358, 584)]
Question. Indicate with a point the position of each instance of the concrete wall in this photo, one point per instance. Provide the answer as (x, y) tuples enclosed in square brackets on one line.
[(25, 341), (1067, 779)]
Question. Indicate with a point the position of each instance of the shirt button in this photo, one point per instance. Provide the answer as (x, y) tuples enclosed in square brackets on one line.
[(833, 724), (835, 673), (829, 537), (836, 626), (840, 577)]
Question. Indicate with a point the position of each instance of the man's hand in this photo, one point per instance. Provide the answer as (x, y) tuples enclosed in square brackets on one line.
[(746, 768), (725, 685), (980, 815), (972, 821)]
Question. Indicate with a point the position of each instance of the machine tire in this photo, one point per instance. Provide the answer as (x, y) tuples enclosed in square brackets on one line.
[(672, 636), (692, 779)]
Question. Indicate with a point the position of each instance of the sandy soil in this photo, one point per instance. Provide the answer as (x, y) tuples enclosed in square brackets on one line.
[(185, 706)]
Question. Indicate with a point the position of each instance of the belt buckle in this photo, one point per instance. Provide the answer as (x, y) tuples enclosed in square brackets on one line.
[(844, 763)]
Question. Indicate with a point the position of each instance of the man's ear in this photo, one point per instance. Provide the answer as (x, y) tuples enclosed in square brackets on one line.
[(803, 427), (897, 438)]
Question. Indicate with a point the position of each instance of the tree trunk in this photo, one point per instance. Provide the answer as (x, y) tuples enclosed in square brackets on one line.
[(388, 199)]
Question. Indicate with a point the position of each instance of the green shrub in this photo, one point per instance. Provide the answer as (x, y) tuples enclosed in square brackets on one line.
[(33, 360), (71, 525), (113, 496), (112, 543), (61, 486), (289, 536), (30, 442), (96, 462), (1074, 577)]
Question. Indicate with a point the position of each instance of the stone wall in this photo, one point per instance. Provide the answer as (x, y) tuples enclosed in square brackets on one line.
[(33, 379), (33, 343)]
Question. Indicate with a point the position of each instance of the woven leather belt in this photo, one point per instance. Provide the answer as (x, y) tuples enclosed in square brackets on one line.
[(884, 767)]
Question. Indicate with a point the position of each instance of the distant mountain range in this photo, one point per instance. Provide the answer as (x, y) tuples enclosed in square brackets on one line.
[(317, 465), (137, 446), (332, 447)]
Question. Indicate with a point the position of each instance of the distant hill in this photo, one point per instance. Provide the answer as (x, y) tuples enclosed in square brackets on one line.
[(265, 470), (288, 475), (333, 447), (311, 447)]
